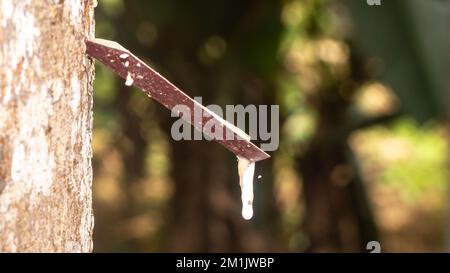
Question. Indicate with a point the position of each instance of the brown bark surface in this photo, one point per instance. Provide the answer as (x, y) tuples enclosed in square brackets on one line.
[(45, 126)]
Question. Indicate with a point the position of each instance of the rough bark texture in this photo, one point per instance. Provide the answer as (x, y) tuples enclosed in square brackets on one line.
[(45, 126)]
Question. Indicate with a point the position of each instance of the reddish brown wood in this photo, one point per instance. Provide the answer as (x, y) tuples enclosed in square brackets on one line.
[(136, 72)]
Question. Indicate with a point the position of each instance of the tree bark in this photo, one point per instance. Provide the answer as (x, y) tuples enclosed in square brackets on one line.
[(45, 126)]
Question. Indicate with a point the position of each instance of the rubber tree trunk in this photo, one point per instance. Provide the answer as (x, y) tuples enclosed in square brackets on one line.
[(45, 126)]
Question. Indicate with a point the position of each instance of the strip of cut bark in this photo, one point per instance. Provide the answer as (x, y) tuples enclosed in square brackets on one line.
[(137, 73)]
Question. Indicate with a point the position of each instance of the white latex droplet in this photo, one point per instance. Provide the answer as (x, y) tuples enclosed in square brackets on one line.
[(246, 170), (247, 212), (129, 80)]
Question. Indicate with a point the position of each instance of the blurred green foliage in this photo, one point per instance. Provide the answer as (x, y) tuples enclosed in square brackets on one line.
[(410, 158)]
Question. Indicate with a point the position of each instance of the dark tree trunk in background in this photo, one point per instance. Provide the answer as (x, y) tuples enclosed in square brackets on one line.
[(204, 210), (338, 217), (338, 212), (133, 158)]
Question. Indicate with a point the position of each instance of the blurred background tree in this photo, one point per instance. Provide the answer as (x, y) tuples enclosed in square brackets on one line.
[(363, 153)]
